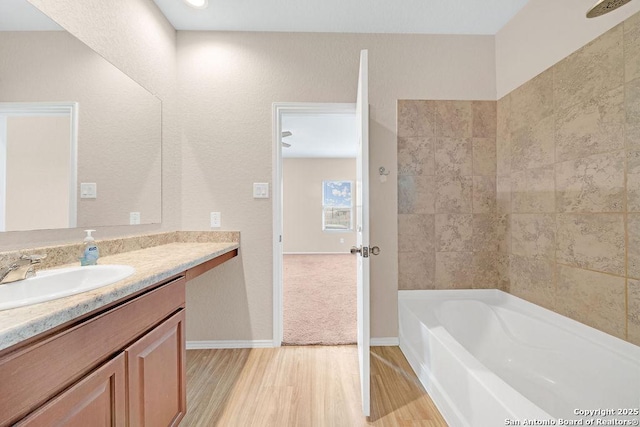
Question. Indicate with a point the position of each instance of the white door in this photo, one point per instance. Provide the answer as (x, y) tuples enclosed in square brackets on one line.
[(362, 227)]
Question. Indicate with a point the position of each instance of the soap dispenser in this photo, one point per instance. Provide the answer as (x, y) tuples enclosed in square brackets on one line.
[(90, 252)]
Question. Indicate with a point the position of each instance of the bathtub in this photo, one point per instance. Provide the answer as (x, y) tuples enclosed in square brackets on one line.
[(488, 359)]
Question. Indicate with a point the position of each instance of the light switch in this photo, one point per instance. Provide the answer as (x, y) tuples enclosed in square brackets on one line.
[(260, 190), (88, 190), (215, 220), (134, 218)]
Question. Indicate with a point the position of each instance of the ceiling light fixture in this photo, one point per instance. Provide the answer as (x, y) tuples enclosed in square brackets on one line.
[(197, 4)]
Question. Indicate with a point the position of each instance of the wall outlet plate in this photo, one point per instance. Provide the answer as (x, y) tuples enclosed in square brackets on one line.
[(260, 190), (215, 220), (134, 218), (88, 190)]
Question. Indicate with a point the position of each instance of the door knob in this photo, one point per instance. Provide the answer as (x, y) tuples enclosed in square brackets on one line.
[(375, 250), (355, 250)]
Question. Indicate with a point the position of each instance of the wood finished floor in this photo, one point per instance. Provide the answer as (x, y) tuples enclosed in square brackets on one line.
[(303, 387)]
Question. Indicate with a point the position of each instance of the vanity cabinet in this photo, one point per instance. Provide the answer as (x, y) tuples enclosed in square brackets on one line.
[(156, 375), (121, 366), (98, 400)]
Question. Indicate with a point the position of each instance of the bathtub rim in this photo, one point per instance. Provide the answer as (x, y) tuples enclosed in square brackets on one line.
[(612, 343)]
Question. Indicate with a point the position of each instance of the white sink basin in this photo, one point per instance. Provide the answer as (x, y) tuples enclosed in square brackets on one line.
[(58, 283)]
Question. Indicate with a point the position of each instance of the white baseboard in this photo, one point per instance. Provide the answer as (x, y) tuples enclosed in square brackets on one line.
[(316, 253), (206, 345), (385, 342)]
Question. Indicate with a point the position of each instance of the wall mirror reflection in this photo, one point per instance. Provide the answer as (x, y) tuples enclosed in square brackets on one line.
[(114, 132)]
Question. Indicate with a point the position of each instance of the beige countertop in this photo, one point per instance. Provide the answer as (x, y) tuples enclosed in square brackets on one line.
[(152, 265)]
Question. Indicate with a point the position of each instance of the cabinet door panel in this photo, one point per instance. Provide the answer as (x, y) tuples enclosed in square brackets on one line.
[(156, 375), (97, 400)]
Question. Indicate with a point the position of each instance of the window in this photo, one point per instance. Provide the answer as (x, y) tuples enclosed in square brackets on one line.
[(337, 206)]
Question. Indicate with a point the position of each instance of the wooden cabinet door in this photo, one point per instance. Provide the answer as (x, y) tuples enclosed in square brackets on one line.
[(98, 400), (157, 375)]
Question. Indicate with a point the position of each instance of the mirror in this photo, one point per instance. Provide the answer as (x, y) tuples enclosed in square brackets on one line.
[(97, 163)]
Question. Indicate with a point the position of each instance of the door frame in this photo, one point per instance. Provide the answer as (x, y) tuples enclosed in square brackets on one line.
[(278, 109), (42, 109)]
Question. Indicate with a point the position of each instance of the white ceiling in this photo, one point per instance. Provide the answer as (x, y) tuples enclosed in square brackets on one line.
[(20, 15), (345, 16), (320, 135)]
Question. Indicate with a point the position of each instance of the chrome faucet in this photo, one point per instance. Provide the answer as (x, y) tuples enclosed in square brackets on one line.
[(21, 269)]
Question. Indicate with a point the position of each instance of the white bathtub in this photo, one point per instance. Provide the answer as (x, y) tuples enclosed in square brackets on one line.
[(488, 359)]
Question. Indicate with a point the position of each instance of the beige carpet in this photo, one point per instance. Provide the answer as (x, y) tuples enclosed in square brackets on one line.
[(320, 299)]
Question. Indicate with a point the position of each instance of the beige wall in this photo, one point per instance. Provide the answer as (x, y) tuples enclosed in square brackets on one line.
[(38, 157), (450, 234), (137, 38), (544, 32), (568, 174), (302, 205), (228, 82)]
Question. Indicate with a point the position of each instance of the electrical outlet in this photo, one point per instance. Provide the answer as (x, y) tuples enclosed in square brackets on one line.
[(215, 220), (260, 190), (341, 240), (88, 190), (134, 218)]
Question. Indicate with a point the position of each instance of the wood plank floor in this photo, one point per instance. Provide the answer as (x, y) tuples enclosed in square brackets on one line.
[(303, 386)]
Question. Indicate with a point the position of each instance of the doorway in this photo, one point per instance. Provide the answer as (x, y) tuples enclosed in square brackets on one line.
[(38, 165), (314, 194)]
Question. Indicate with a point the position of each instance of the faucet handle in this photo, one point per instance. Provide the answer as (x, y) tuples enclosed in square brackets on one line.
[(35, 258)]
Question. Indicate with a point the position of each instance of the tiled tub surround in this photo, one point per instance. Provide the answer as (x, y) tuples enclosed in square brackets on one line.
[(451, 234), (155, 257), (567, 171), (562, 228)]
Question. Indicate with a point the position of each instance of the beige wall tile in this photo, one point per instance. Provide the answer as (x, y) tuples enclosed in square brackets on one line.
[(503, 138), (533, 190), (533, 280), (454, 156), (416, 233), (633, 192), (591, 184), (533, 101), (533, 235), (454, 270), (593, 125), (484, 119), (416, 194), (533, 145), (503, 194), (593, 241), (453, 194), (632, 110), (632, 47), (454, 119), (633, 251), (454, 233), (416, 270), (484, 156), (633, 311), (590, 71), (633, 162), (490, 270), (416, 118), (595, 299), (416, 156), (484, 194), (491, 233)]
